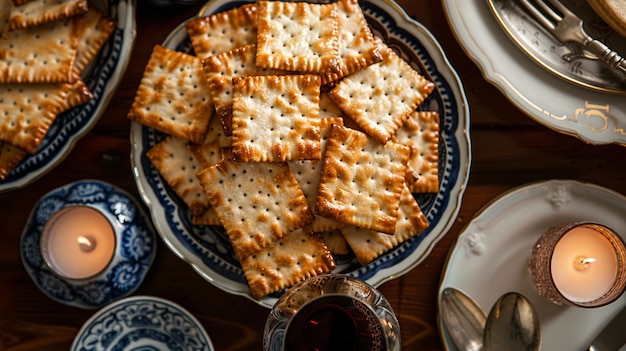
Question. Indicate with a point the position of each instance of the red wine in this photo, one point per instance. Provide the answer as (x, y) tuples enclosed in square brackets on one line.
[(334, 322)]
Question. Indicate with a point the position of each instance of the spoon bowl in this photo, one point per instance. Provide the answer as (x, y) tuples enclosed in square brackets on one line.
[(512, 324), (464, 319)]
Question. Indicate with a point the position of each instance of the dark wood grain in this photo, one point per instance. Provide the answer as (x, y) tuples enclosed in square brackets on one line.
[(509, 150)]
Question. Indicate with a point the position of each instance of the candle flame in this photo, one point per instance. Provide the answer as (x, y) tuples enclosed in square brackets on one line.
[(86, 243), (582, 263)]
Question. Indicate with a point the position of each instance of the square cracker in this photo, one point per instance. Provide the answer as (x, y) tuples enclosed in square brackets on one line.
[(173, 95), (367, 244), (43, 54), (95, 29), (10, 157), (276, 118), (380, 97), (178, 166), (298, 36), (293, 258), (220, 69), (223, 31), (257, 203), (357, 47), (420, 132), (362, 180), (215, 141), (28, 110), (37, 12)]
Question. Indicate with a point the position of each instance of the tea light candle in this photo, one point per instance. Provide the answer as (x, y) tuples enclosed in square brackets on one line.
[(584, 265), (78, 242), (580, 264)]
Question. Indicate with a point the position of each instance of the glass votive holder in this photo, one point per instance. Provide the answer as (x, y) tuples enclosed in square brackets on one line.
[(579, 264), (332, 312)]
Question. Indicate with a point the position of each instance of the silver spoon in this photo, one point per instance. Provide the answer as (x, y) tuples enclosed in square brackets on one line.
[(464, 319), (512, 324)]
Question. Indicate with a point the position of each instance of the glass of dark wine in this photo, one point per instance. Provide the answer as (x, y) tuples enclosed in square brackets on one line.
[(332, 312)]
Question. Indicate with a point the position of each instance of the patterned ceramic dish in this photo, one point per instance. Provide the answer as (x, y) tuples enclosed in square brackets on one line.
[(208, 250), (134, 251), (142, 323), (105, 74)]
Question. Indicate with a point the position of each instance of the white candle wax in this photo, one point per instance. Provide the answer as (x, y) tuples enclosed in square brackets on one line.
[(78, 242), (583, 265)]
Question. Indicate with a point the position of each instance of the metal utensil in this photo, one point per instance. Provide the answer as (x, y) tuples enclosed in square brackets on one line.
[(464, 319), (568, 29), (512, 324), (612, 337)]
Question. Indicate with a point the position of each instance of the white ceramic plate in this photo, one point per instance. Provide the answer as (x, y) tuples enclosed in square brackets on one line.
[(105, 73), (592, 116), (142, 323), (208, 250), (490, 256)]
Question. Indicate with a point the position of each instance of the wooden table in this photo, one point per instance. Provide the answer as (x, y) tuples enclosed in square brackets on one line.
[(509, 149)]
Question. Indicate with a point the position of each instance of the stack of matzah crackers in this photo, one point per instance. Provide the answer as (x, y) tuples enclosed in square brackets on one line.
[(297, 130), (45, 47)]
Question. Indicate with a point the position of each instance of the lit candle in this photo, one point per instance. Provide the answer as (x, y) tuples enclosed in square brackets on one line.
[(78, 242), (584, 265)]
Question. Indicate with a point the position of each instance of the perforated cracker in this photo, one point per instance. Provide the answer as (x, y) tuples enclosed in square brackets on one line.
[(95, 28), (43, 54), (10, 157), (420, 132), (37, 12), (178, 167), (223, 31), (362, 180), (335, 242), (28, 110), (380, 98), (173, 96), (257, 203), (298, 36), (209, 152), (5, 9), (220, 69), (276, 118), (368, 245), (357, 48), (78, 94), (293, 258)]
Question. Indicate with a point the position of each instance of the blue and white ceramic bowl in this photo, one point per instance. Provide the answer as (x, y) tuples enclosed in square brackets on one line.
[(105, 73), (142, 323), (208, 250), (134, 251)]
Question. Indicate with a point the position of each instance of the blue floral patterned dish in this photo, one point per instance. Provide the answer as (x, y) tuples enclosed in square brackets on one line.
[(105, 74), (134, 253), (208, 250), (142, 323)]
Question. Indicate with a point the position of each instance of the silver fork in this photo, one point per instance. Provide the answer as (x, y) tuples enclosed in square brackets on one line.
[(567, 28)]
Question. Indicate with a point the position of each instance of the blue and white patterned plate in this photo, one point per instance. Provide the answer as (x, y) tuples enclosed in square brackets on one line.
[(105, 74), (207, 248), (142, 323), (134, 252)]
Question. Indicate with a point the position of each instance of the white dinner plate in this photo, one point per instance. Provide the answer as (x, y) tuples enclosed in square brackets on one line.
[(491, 254), (590, 115), (208, 250), (105, 73)]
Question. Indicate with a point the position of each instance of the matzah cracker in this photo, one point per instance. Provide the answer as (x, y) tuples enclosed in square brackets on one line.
[(95, 29), (209, 217), (5, 9), (256, 202), (293, 258), (27, 112), (362, 180), (357, 48), (380, 98), (298, 36), (43, 54), (307, 173), (328, 108), (223, 31), (37, 12), (173, 95), (420, 132), (276, 118), (78, 94), (10, 157), (220, 69), (367, 245), (336, 243), (210, 151), (177, 165)]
